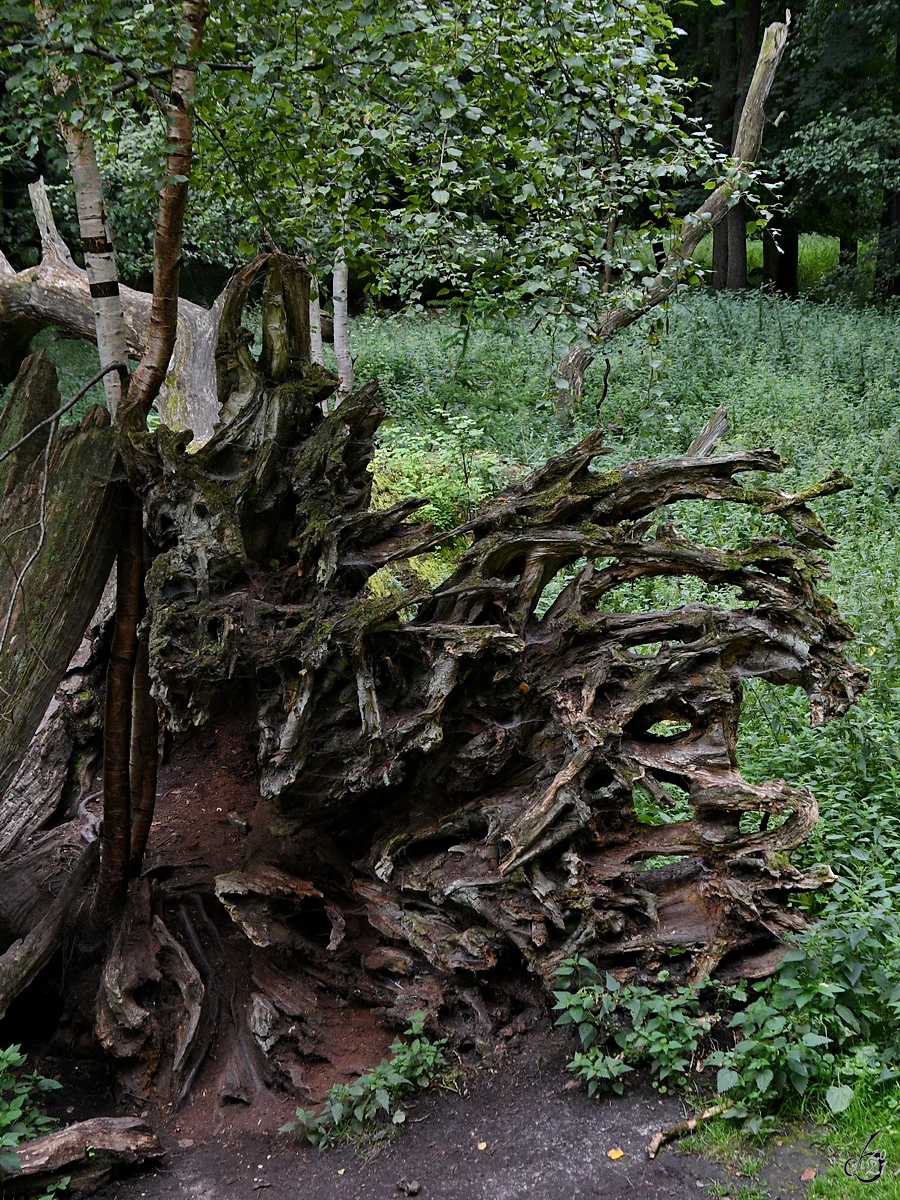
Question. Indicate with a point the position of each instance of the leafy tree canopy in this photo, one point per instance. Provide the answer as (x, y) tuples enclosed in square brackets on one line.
[(522, 151)]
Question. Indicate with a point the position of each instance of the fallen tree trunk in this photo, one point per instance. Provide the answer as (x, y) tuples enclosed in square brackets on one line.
[(24, 959), (60, 522), (472, 780), (89, 1154)]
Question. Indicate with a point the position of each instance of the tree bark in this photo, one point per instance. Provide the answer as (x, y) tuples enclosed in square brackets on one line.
[(339, 300), (736, 233), (112, 882), (317, 351), (475, 760), (89, 1154), (60, 523), (781, 258), (24, 959), (151, 372), (96, 235), (848, 253), (100, 262), (57, 293)]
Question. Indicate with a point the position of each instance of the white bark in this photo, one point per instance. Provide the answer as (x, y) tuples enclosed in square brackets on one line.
[(56, 293), (345, 368), (99, 259), (316, 350), (96, 238)]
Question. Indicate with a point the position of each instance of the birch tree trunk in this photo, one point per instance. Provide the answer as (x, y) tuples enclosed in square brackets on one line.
[(99, 260), (96, 239), (316, 341), (339, 300)]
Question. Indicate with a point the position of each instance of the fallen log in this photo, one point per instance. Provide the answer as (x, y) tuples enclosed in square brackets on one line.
[(60, 526), (89, 1154)]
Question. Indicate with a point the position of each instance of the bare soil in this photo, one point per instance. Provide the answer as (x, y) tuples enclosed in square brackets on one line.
[(541, 1140)]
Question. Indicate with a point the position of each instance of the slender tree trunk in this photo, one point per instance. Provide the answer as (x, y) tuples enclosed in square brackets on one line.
[(736, 222), (316, 347), (151, 372), (736, 231), (887, 266), (848, 254), (143, 758), (723, 86), (112, 882), (748, 53), (720, 256), (99, 261), (781, 254), (339, 290)]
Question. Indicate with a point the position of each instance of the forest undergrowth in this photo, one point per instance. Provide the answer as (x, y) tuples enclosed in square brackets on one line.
[(469, 409)]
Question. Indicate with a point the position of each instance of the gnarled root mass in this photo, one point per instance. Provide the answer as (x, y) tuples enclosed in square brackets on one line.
[(508, 768)]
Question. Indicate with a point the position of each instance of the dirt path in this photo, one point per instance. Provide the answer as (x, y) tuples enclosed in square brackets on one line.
[(542, 1142)]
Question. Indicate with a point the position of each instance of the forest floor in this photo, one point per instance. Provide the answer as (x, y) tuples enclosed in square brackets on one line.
[(512, 1131)]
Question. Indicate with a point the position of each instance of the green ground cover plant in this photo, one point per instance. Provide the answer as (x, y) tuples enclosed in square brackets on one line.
[(20, 1115), (374, 1103)]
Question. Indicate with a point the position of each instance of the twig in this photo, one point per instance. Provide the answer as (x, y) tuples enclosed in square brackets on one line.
[(670, 1132), (65, 408)]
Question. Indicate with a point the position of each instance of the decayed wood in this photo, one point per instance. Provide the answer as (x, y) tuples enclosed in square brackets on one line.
[(156, 1038), (34, 793), (534, 731), (24, 959), (60, 521), (89, 1153)]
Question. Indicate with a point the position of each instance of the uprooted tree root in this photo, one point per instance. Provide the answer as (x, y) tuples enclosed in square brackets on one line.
[(464, 763)]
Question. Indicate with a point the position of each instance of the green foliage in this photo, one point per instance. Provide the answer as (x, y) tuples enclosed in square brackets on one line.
[(623, 1026), (20, 1117), (446, 466), (824, 1026), (503, 153), (826, 1022), (873, 1110), (374, 1102)]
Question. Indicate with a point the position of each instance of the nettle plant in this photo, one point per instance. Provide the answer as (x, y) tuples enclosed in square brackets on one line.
[(20, 1117), (825, 1026), (373, 1104), (622, 1026)]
